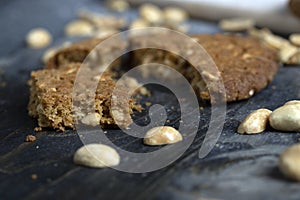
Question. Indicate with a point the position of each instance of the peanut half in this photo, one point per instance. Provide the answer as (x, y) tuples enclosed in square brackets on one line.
[(255, 122), (118, 5), (38, 38), (286, 117), (97, 156), (175, 15), (236, 24), (289, 162), (162, 135), (92, 119), (79, 28), (151, 13), (295, 39)]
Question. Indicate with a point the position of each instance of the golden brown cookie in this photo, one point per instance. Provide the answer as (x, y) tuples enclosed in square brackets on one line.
[(78, 52), (246, 66), (51, 93)]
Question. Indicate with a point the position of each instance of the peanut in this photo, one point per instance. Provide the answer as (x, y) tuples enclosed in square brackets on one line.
[(295, 39), (118, 5), (175, 15), (275, 41), (48, 54), (79, 28), (289, 162), (255, 122), (292, 102), (38, 38), (97, 156), (162, 135), (151, 13), (139, 23), (286, 117), (92, 119), (236, 24), (287, 52)]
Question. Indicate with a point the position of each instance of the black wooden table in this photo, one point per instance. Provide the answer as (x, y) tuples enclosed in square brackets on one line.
[(239, 166)]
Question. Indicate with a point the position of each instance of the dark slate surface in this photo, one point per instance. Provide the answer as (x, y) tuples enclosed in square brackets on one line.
[(239, 167)]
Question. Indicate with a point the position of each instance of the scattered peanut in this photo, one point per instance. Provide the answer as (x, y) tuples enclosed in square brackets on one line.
[(38, 38), (287, 52), (259, 33), (295, 39), (184, 28), (79, 28), (295, 59), (289, 162), (118, 5), (162, 135), (102, 21), (255, 122), (286, 117), (97, 156), (92, 119), (292, 102), (236, 24), (275, 41), (139, 23), (151, 13), (48, 54), (175, 15), (104, 33)]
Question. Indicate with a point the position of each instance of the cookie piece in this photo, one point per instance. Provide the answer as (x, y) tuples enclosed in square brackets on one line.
[(51, 92), (245, 65), (77, 53)]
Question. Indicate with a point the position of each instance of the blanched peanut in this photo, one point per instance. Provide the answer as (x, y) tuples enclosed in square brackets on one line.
[(275, 41), (259, 33), (289, 162), (286, 117), (139, 23), (102, 21), (118, 5), (292, 102), (48, 54), (38, 38), (79, 28), (295, 39), (97, 156), (295, 59), (175, 15), (255, 122), (236, 24), (287, 52), (151, 13), (162, 135), (92, 119), (104, 33)]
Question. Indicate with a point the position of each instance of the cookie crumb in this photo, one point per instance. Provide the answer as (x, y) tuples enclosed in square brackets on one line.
[(38, 129), (34, 176), (30, 138), (148, 103)]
